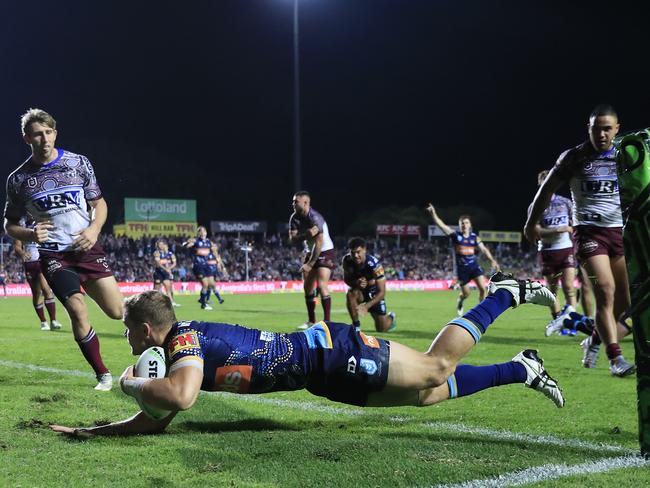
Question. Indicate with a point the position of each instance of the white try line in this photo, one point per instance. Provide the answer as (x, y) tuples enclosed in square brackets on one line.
[(449, 427), (552, 472)]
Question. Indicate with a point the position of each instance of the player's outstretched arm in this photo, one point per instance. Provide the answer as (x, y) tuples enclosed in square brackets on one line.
[(138, 424), (486, 252), (438, 221)]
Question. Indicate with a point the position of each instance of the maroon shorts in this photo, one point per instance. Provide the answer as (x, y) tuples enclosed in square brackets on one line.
[(554, 261), (593, 241), (326, 259), (32, 271), (88, 265)]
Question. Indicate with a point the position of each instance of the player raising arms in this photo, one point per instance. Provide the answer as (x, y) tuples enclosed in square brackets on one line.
[(165, 262), (329, 360), (465, 243), (42, 296), (557, 255), (206, 264), (364, 274), (308, 226), (58, 190), (590, 170)]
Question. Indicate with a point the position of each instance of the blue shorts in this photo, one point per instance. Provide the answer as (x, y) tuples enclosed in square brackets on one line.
[(160, 275), (346, 365), (204, 271), (468, 273), (377, 309)]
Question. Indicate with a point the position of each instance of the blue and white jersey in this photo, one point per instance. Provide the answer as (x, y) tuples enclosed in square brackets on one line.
[(202, 252), (371, 269), (557, 214), (465, 248), (238, 359), (165, 259), (58, 191)]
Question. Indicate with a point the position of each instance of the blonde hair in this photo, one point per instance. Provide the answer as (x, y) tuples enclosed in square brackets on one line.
[(36, 115), (152, 307)]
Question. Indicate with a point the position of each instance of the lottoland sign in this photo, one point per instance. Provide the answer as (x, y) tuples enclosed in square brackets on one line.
[(154, 209)]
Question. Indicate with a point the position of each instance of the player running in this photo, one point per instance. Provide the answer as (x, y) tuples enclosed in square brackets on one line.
[(328, 359), (42, 296), (163, 277), (464, 244), (58, 190), (590, 171), (364, 274), (308, 226), (557, 255), (206, 264)]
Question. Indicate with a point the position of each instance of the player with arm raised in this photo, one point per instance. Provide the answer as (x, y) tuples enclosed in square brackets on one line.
[(308, 226), (205, 259), (364, 274), (59, 191), (590, 171), (329, 360), (464, 244)]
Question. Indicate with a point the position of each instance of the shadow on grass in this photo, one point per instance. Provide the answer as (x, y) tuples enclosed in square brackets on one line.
[(255, 425)]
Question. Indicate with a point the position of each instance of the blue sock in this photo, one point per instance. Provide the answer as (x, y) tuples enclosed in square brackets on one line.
[(216, 294), (478, 319), (204, 297), (468, 380)]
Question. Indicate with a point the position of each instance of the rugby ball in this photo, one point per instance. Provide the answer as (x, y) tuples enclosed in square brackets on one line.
[(151, 364)]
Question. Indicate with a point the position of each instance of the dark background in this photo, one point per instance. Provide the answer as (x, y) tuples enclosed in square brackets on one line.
[(403, 101)]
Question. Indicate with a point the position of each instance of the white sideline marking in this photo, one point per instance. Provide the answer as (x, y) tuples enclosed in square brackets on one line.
[(450, 427), (33, 367), (552, 472)]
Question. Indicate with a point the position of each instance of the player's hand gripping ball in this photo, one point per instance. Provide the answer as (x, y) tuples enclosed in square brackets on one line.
[(151, 364)]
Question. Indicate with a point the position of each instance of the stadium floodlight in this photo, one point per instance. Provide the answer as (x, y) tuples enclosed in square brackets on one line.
[(246, 248), (297, 149)]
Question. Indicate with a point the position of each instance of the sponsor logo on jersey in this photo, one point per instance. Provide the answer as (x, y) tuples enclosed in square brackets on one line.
[(368, 366), (233, 379), (599, 186), (267, 336), (369, 341), (58, 200), (189, 341), (352, 365)]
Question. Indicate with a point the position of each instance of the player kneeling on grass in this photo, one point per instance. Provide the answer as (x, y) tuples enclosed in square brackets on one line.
[(364, 274), (328, 359)]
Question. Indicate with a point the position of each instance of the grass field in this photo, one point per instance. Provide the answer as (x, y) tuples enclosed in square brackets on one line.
[(295, 439)]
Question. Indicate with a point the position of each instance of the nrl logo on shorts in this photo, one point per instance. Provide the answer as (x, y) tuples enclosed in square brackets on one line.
[(53, 266), (588, 246)]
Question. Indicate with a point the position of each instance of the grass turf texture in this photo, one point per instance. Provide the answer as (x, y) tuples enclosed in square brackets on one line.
[(296, 439)]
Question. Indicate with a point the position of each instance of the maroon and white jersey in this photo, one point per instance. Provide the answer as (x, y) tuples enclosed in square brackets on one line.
[(303, 224), (593, 181), (557, 214), (58, 191), (29, 248)]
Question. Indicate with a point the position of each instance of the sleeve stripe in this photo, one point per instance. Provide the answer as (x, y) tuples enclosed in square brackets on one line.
[(192, 361)]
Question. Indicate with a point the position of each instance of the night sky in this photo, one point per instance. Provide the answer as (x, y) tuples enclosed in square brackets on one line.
[(403, 101)]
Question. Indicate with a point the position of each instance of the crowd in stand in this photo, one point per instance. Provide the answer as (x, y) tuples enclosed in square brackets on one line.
[(272, 258)]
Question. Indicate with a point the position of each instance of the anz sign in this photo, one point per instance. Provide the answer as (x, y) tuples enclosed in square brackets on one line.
[(58, 200)]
